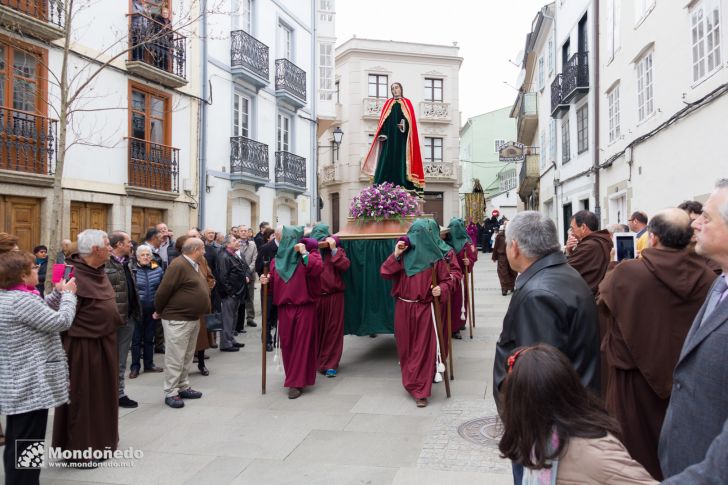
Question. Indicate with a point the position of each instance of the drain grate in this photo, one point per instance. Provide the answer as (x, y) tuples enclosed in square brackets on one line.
[(484, 431)]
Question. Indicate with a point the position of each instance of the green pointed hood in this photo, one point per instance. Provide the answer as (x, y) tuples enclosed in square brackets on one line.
[(286, 259), (424, 250), (458, 235), (320, 232), (435, 231)]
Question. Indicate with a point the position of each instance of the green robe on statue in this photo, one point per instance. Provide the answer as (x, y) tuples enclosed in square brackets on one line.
[(391, 165)]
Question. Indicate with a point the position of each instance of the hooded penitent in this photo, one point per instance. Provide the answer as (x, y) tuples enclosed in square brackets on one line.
[(424, 250), (458, 235), (320, 232), (286, 258)]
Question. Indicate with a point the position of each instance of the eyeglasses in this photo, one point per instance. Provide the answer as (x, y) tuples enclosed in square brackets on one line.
[(35, 266)]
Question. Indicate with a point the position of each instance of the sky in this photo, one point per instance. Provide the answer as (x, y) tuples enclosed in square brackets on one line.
[(488, 32)]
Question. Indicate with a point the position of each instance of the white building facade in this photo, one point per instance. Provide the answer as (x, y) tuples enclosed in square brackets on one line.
[(262, 66), (365, 69), (132, 136), (663, 103)]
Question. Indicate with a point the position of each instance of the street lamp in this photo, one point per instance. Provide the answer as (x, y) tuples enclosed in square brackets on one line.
[(338, 136)]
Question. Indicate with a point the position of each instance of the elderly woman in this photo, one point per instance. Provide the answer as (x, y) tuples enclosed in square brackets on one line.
[(147, 274), (33, 370)]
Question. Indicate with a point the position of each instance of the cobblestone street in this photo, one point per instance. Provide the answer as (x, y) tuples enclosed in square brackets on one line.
[(360, 427)]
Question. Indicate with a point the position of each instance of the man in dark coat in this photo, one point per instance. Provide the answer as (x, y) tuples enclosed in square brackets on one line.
[(551, 304), (647, 311), (233, 276), (91, 419), (588, 249), (266, 254), (491, 226), (259, 239), (699, 399)]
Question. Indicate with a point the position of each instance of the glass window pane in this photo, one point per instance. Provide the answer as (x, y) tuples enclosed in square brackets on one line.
[(137, 125), (24, 64), (157, 131), (157, 107), (24, 95), (138, 101), (2, 58)]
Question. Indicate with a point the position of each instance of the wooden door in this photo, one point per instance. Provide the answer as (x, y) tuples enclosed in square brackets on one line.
[(434, 205), (21, 216), (142, 218), (85, 215)]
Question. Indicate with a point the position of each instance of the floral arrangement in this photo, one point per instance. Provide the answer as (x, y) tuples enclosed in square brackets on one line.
[(384, 201)]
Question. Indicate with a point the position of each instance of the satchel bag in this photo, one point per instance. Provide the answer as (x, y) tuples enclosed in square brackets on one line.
[(213, 321)]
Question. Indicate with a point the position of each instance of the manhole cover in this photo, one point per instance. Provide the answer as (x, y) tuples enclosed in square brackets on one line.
[(485, 431)]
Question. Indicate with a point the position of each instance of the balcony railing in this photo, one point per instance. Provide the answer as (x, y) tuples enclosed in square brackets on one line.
[(435, 111), (372, 107), (527, 117), (28, 142), (291, 81), (250, 54), (155, 45), (290, 171), (439, 170), (44, 19), (528, 178), (576, 77), (248, 160), (558, 106), (153, 166)]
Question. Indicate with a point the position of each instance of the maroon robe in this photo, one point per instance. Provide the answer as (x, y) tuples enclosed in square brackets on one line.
[(413, 327), (91, 419), (506, 274), (646, 307), (458, 303), (330, 309), (456, 277), (297, 322)]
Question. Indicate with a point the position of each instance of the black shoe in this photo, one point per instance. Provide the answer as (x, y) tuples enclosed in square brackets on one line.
[(159, 350), (504, 292), (457, 336), (174, 402), (154, 368), (203, 370), (238, 345), (252, 324), (269, 347), (236, 333), (372, 335), (125, 402), (190, 393), (230, 349)]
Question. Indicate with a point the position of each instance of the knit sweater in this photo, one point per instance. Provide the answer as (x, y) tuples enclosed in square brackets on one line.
[(33, 367), (183, 293)]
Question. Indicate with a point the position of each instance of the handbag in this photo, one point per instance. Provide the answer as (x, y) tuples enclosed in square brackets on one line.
[(213, 322)]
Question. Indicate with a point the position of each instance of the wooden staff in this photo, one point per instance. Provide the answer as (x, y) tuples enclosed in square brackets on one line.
[(472, 302), (264, 325), (468, 308), (449, 338), (436, 300)]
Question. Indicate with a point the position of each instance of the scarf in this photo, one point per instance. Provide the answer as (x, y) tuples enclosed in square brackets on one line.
[(458, 235), (424, 251), (286, 259), (25, 288), (544, 476)]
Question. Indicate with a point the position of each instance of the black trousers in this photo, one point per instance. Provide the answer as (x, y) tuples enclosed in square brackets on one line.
[(272, 317), (25, 426)]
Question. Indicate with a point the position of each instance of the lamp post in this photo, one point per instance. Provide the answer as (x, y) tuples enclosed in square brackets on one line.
[(338, 137)]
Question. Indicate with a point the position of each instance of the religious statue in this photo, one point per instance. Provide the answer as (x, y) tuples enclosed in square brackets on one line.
[(395, 152)]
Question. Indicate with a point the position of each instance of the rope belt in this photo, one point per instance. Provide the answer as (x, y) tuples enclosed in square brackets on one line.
[(408, 301)]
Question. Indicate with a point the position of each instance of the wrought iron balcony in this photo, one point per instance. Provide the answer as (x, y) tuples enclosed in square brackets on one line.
[(558, 106), (372, 107), (290, 83), (527, 117), (248, 161), (529, 176), (575, 82), (42, 19), (249, 58), (28, 142), (290, 172), (156, 51), (153, 166), (435, 111)]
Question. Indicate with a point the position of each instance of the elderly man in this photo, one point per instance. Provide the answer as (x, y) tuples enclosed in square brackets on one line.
[(181, 300), (233, 276), (646, 312), (588, 249), (249, 253), (699, 401), (127, 302), (552, 304), (91, 419), (638, 224), (65, 251), (167, 242)]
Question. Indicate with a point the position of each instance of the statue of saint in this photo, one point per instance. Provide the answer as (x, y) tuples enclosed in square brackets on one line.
[(395, 152)]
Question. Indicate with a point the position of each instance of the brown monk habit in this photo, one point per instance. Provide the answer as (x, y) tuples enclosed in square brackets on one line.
[(591, 257), (646, 307), (92, 417), (506, 274)]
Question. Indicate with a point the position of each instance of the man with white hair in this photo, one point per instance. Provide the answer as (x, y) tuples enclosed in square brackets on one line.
[(91, 419), (181, 300), (551, 304)]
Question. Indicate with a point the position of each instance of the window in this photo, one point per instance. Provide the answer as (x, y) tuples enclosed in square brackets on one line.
[(507, 180), (433, 89), (565, 141), (705, 38), (326, 72), (284, 133), (338, 92), (613, 101), (540, 73), (244, 17), (550, 54), (285, 42), (645, 94), (542, 149), (582, 129), (552, 140), (642, 8), (152, 161), (613, 40), (326, 10), (241, 115), (150, 116), (498, 144), (19, 80), (433, 149), (378, 86)]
